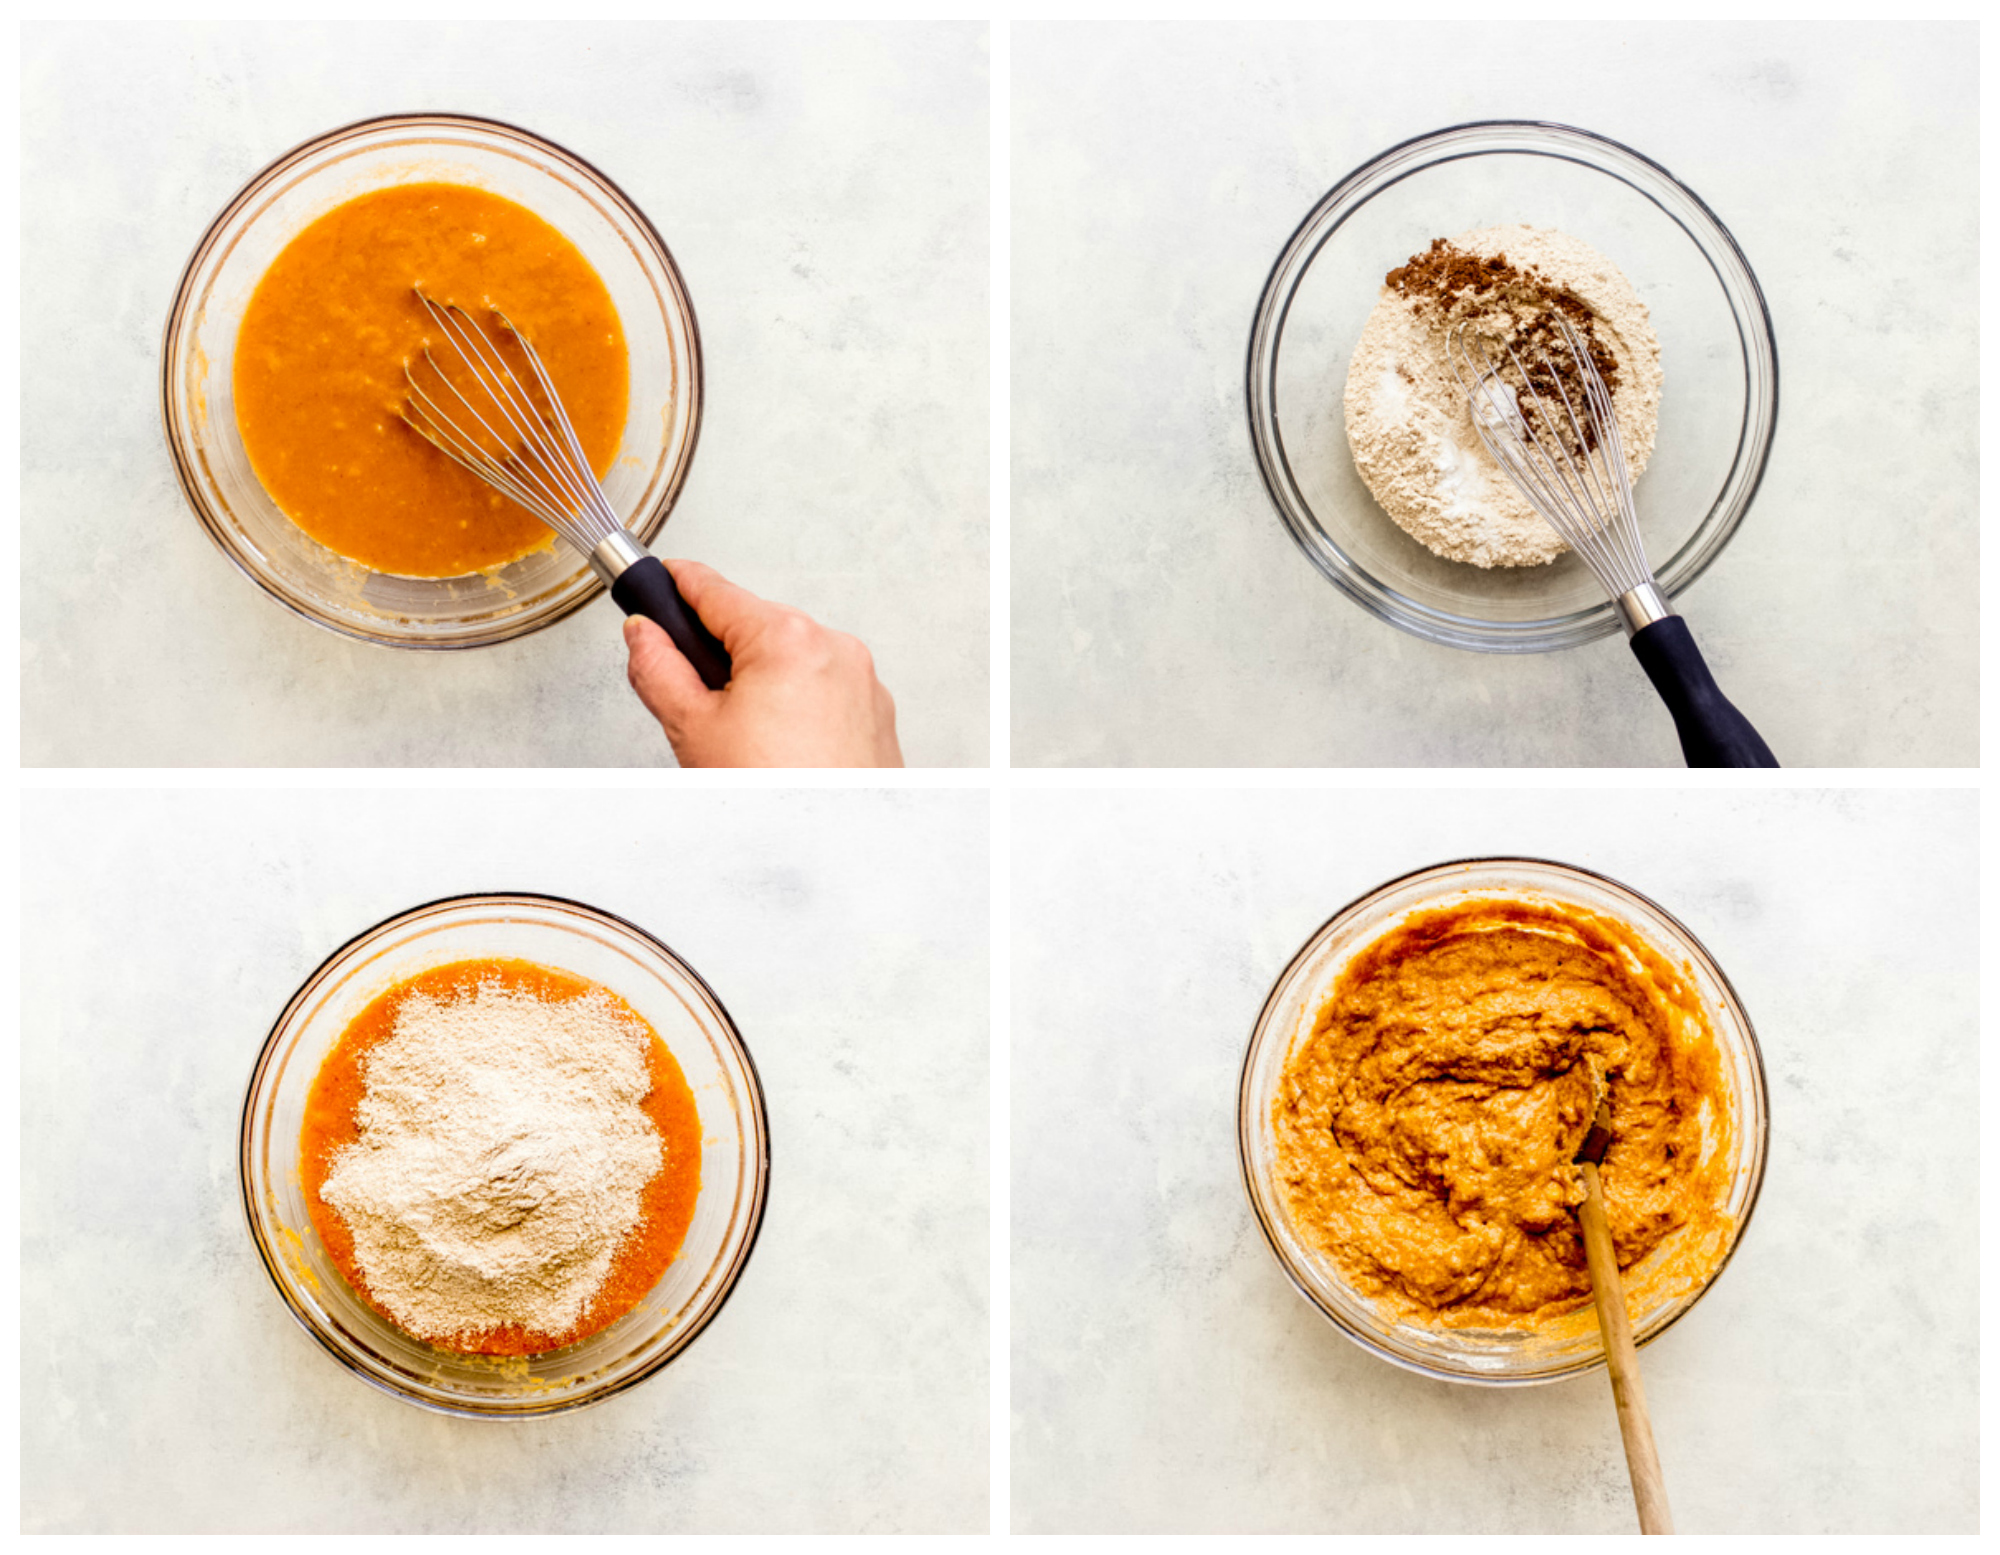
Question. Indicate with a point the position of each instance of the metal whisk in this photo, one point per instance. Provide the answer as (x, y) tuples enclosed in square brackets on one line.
[(529, 452), (1563, 453)]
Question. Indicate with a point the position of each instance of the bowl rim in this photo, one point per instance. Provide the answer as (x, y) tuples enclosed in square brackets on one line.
[(758, 1150), (178, 437), (1246, 1115), (1758, 342)]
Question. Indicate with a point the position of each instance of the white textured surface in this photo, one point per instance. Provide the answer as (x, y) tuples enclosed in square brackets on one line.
[(1167, 1377), (1162, 615), (165, 1387), (824, 190)]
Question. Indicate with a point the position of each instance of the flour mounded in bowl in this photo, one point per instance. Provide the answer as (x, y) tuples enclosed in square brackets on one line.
[(1408, 422), (501, 1158)]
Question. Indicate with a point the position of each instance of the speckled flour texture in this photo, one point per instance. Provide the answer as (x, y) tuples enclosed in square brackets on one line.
[(1407, 419), (502, 1155)]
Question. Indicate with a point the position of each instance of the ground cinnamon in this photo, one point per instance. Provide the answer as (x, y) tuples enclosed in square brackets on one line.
[(1515, 307)]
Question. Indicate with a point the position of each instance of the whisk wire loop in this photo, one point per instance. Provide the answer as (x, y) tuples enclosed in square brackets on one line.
[(590, 492), (437, 426), (497, 387), (1566, 457), (1583, 475), (1616, 487), (541, 464)]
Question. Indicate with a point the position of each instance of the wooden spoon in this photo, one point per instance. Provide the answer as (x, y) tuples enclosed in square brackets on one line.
[(1642, 1460)]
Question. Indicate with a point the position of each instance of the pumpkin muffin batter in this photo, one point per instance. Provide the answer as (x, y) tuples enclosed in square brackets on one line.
[(319, 383), (1428, 1125), (334, 1124)]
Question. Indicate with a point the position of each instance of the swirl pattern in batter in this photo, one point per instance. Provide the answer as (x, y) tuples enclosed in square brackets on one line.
[(1428, 1125)]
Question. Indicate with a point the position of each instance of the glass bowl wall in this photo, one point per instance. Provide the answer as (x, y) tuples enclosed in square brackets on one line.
[(1570, 1345), (1718, 410)]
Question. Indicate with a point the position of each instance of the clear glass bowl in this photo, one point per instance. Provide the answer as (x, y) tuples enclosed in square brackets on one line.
[(1717, 414), (1571, 1345), (198, 369), (735, 1163)]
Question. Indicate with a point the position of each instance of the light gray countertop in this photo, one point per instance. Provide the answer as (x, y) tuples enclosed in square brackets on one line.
[(164, 1385), (1167, 1377), (1162, 615), (824, 191)]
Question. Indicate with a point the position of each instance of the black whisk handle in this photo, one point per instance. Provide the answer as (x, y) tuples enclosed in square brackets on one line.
[(1713, 733), (647, 589)]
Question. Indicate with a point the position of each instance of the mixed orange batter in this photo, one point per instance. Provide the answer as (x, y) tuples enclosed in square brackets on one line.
[(666, 1205), (319, 382), (1428, 1125)]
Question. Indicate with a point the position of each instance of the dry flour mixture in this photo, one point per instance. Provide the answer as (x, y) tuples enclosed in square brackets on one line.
[(1407, 419), (502, 1157)]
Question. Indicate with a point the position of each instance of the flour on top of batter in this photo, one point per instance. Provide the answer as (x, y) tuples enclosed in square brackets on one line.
[(1407, 419)]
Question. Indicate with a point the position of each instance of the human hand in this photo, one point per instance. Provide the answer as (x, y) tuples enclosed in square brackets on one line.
[(799, 694)]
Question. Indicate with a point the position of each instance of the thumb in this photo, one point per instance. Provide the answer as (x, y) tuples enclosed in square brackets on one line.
[(662, 676), (731, 612)]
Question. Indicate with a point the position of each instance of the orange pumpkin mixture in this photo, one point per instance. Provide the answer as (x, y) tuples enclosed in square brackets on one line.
[(333, 1124), (319, 383), (1428, 1124)]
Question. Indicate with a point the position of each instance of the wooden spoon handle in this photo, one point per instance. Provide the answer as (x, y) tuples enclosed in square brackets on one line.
[(1649, 1488)]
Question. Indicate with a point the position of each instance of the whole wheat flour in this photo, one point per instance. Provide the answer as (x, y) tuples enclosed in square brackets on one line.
[(1407, 419), (502, 1155)]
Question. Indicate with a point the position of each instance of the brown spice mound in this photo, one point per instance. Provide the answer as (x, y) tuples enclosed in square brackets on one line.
[(1515, 308)]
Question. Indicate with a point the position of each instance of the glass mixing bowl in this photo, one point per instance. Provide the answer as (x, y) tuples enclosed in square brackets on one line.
[(735, 1162), (1718, 411), (1570, 1345), (198, 369)]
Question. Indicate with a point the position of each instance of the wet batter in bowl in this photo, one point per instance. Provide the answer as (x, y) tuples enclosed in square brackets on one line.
[(1428, 1124), (319, 383), (501, 1158)]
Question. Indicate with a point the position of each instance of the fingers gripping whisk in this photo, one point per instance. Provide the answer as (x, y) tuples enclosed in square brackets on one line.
[(1551, 427), (474, 408)]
